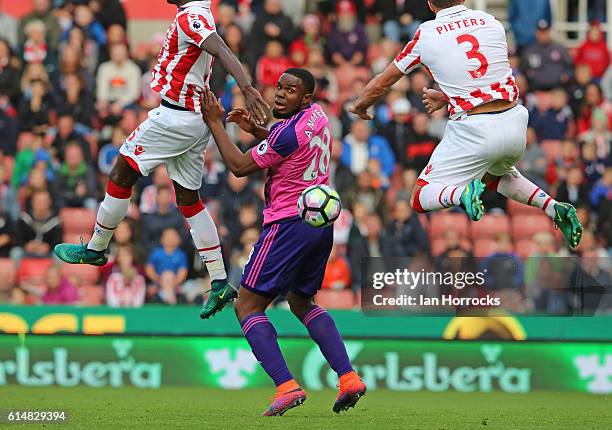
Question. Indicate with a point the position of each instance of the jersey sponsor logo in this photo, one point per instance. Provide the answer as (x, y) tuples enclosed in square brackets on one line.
[(428, 169), (262, 148)]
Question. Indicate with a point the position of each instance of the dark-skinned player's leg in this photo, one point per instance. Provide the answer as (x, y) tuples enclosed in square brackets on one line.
[(111, 212), (250, 309), (206, 239), (515, 186), (323, 331)]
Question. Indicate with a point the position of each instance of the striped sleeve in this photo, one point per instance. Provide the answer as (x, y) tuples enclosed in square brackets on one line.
[(195, 28), (410, 57)]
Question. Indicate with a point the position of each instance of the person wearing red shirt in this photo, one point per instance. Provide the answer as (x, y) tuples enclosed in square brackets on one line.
[(594, 51), (272, 64)]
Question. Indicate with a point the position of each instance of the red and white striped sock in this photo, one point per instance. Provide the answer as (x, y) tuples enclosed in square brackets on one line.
[(434, 196), (111, 212), (206, 238), (517, 187)]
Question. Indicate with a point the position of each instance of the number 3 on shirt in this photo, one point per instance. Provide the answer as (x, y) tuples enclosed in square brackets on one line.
[(321, 159), (474, 54)]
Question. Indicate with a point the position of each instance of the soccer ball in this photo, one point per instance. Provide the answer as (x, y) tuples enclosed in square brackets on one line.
[(319, 205)]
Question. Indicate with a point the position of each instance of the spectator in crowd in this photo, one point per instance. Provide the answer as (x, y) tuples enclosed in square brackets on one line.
[(77, 101), (8, 28), (9, 72), (42, 12), (546, 63), (602, 190), (360, 145), (248, 238), (109, 12), (553, 297), (592, 103), (59, 290), (347, 43), (39, 230), (117, 82), (7, 231), (573, 189), (404, 234), (165, 217), (593, 51), (552, 118), (67, 133), (582, 77), (599, 134), (503, 269), (35, 49), (77, 179), (270, 24), (148, 196), (9, 126), (401, 19), (594, 166), (125, 285), (337, 273), (525, 17), (272, 64), (310, 40), (35, 107), (167, 266)]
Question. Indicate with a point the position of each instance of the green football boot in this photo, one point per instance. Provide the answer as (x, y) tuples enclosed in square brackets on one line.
[(470, 199), (567, 221), (221, 294), (79, 254)]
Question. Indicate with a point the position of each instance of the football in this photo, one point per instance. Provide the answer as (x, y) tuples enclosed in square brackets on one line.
[(319, 205)]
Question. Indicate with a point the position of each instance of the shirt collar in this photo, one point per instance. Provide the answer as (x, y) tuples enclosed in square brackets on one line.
[(450, 10), (202, 3)]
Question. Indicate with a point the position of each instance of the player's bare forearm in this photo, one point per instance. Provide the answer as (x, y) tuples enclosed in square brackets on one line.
[(215, 46), (239, 163), (375, 90)]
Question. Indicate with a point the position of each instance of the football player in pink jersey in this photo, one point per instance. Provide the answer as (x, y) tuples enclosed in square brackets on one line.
[(467, 54), (175, 135), (290, 256)]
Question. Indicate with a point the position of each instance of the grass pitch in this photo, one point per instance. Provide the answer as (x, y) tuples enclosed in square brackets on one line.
[(191, 408)]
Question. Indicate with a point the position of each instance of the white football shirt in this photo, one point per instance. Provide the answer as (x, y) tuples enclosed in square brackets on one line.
[(467, 54)]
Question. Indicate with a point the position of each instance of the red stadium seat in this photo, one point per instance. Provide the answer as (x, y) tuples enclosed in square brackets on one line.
[(490, 226), (525, 226), (78, 220), (552, 149), (441, 222), (516, 208), (8, 269), (484, 248), (336, 299), (85, 275), (524, 248), (91, 295), (32, 270)]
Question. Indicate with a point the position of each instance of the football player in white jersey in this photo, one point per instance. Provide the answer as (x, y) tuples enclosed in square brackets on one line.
[(466, 53), (175, 135)]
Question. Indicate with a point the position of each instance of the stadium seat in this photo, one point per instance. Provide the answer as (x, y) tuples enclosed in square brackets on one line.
[(8, 269), (552, 149), (336, 299), (91, 295), (32, 270), (524, 248), (525, 226), (440, 222), (484, 247), (516, 208), (78, 220), (490, 226), (85, 274)]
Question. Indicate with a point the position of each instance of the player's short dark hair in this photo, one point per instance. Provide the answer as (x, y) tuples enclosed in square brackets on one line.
[(309, 81), (443, 4)]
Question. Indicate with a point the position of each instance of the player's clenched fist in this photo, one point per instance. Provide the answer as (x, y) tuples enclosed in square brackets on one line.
[(433, 100), (212, 109)]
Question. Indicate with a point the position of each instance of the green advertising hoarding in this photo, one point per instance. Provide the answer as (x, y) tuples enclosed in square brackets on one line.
[(184, 320), (146, 362)]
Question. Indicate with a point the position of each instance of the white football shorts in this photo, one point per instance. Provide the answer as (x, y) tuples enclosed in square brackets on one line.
[(176, 138), (478, 144)]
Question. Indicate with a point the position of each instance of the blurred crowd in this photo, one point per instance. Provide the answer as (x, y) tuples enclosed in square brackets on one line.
[(72, 88)]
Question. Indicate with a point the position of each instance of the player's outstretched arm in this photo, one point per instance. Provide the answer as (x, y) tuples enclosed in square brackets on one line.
[(215, 46), (245, 121), (375, 90), (239, 163)]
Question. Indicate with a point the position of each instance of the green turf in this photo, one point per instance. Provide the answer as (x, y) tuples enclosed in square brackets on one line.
[(170, 408)]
